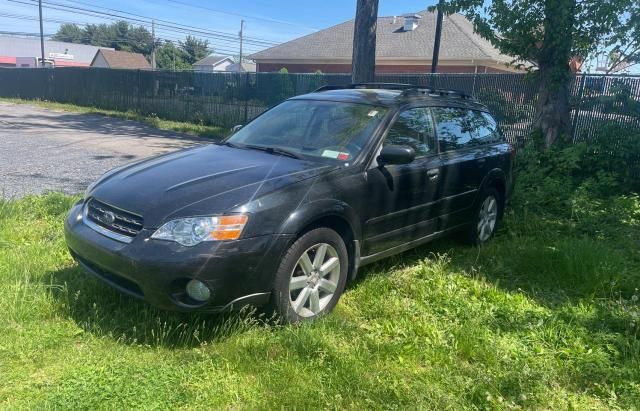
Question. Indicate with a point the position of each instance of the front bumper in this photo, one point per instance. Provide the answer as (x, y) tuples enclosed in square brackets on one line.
[(238, 272)]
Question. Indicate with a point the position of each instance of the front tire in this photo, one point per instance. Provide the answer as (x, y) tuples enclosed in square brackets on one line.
[(311, 276)]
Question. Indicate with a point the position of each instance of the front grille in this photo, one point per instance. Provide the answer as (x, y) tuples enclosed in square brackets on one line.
[(113, 219)]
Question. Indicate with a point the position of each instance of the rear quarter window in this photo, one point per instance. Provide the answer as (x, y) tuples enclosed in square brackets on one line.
[(463, 128)]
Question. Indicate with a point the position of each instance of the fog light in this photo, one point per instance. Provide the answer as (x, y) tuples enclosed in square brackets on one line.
[(198, 290)]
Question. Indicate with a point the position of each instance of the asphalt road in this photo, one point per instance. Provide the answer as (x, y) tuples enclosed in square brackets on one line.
[(48, 150)]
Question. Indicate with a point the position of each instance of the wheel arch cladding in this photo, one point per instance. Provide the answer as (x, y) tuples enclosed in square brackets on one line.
[(335, 215), (495, 179)]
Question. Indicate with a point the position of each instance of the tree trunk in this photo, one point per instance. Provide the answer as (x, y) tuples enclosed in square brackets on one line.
[(552, 109), (363, 66)]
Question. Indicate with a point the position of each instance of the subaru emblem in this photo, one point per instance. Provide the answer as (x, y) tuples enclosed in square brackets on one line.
[(108, 217)]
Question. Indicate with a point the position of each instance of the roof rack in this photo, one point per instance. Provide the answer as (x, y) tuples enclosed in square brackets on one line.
[(384, 86), (407, 89), (437, 91)]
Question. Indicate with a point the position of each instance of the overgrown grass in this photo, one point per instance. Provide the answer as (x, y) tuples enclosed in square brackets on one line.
[(201, 130), (546, 316)]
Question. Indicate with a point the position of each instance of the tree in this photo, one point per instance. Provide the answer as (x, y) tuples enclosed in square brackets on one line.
[(548, 34), (137, 39), (194, 49), (70, 33), (625, 44), (119, 35), (363, 65), (170, 57)]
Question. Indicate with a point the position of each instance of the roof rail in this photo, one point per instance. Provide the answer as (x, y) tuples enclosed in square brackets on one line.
[(407, 89), (437, 91), (386, 86)]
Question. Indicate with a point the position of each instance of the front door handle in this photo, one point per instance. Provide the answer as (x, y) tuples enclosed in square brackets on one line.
[(433, 174)]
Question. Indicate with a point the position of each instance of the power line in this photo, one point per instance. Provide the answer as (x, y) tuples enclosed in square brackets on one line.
[(256, 40), (215, 39), (289, 23), (23, 34), (217, 47), (114, 17)]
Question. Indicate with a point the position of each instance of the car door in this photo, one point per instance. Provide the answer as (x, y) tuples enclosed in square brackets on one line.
[(464, 161), (402, 198)]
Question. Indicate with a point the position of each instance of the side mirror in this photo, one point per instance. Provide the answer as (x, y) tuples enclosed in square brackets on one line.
[(234, 129), (396, 155)]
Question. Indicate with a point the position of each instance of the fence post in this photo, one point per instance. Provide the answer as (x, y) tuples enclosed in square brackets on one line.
[(138, 89), (246, 98), (473, 87), (574, 121)]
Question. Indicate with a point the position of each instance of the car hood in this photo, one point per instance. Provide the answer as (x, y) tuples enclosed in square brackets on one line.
[(204, 180)]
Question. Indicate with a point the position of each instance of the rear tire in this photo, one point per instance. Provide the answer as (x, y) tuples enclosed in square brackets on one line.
[(485, 217), (311, 276)]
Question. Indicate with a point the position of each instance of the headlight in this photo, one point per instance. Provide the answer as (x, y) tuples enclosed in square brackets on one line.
[(194, 230)]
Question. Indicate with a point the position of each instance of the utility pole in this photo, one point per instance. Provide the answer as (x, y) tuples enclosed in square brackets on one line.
[(241, 37), (363, 61), (41, 34), (153, 44), (436, 42)]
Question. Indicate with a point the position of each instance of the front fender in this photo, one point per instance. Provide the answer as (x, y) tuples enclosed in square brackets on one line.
[(313, 211)]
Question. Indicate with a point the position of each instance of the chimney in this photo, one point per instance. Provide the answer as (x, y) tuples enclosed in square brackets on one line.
[(411, 21)]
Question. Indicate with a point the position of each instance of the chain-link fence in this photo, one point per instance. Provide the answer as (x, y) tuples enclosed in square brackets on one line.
[(227, 99)]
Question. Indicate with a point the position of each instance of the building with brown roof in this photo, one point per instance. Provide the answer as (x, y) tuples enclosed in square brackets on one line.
[(120, 60), (403, 45)]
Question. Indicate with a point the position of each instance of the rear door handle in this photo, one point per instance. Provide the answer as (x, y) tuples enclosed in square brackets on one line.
[(433, 173), (481, 160)]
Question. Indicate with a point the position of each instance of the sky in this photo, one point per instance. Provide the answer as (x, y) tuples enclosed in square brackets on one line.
[(268, 22)]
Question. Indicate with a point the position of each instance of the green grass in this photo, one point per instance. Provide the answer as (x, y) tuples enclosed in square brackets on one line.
[(201, 130), (545, 317)]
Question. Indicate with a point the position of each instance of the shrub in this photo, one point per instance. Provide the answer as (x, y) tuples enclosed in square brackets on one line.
[(550, 180)]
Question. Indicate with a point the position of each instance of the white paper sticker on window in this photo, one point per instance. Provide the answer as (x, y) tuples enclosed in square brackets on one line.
[(373, 113), (330, 154)]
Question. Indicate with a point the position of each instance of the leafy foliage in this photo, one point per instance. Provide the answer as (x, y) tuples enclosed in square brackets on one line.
[(608, 166), (520, 27), (194, 49), (549, 34), (168, 56), (123, 36)]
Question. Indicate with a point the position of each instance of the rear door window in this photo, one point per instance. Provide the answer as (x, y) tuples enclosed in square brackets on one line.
[(462, 128), (454, 128), (413, 128), (486, 128)]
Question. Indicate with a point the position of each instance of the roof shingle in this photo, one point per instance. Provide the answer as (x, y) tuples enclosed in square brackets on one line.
[(211, 60), (124, 59), (459, 42)]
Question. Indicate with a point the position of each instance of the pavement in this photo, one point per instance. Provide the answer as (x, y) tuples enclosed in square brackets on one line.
[(45, 150)]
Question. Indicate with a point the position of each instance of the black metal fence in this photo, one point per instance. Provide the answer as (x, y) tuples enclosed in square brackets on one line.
[(228, 99)]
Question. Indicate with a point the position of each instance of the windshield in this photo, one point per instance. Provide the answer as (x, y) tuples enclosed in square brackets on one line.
[(320, 129)]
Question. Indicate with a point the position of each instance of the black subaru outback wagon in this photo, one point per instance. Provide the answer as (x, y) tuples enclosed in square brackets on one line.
[(285, 210)]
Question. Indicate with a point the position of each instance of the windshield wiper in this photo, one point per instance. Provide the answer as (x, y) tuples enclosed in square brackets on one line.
[(228, 144), (273, 150)]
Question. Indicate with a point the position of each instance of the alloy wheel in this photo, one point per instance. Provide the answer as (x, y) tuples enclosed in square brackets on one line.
[(488, 218), (314, 280)]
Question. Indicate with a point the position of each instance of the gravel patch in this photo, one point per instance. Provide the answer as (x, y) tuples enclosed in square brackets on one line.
[(45, 150)]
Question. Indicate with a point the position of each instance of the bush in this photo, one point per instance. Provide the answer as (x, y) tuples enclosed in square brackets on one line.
[(551, 180)]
